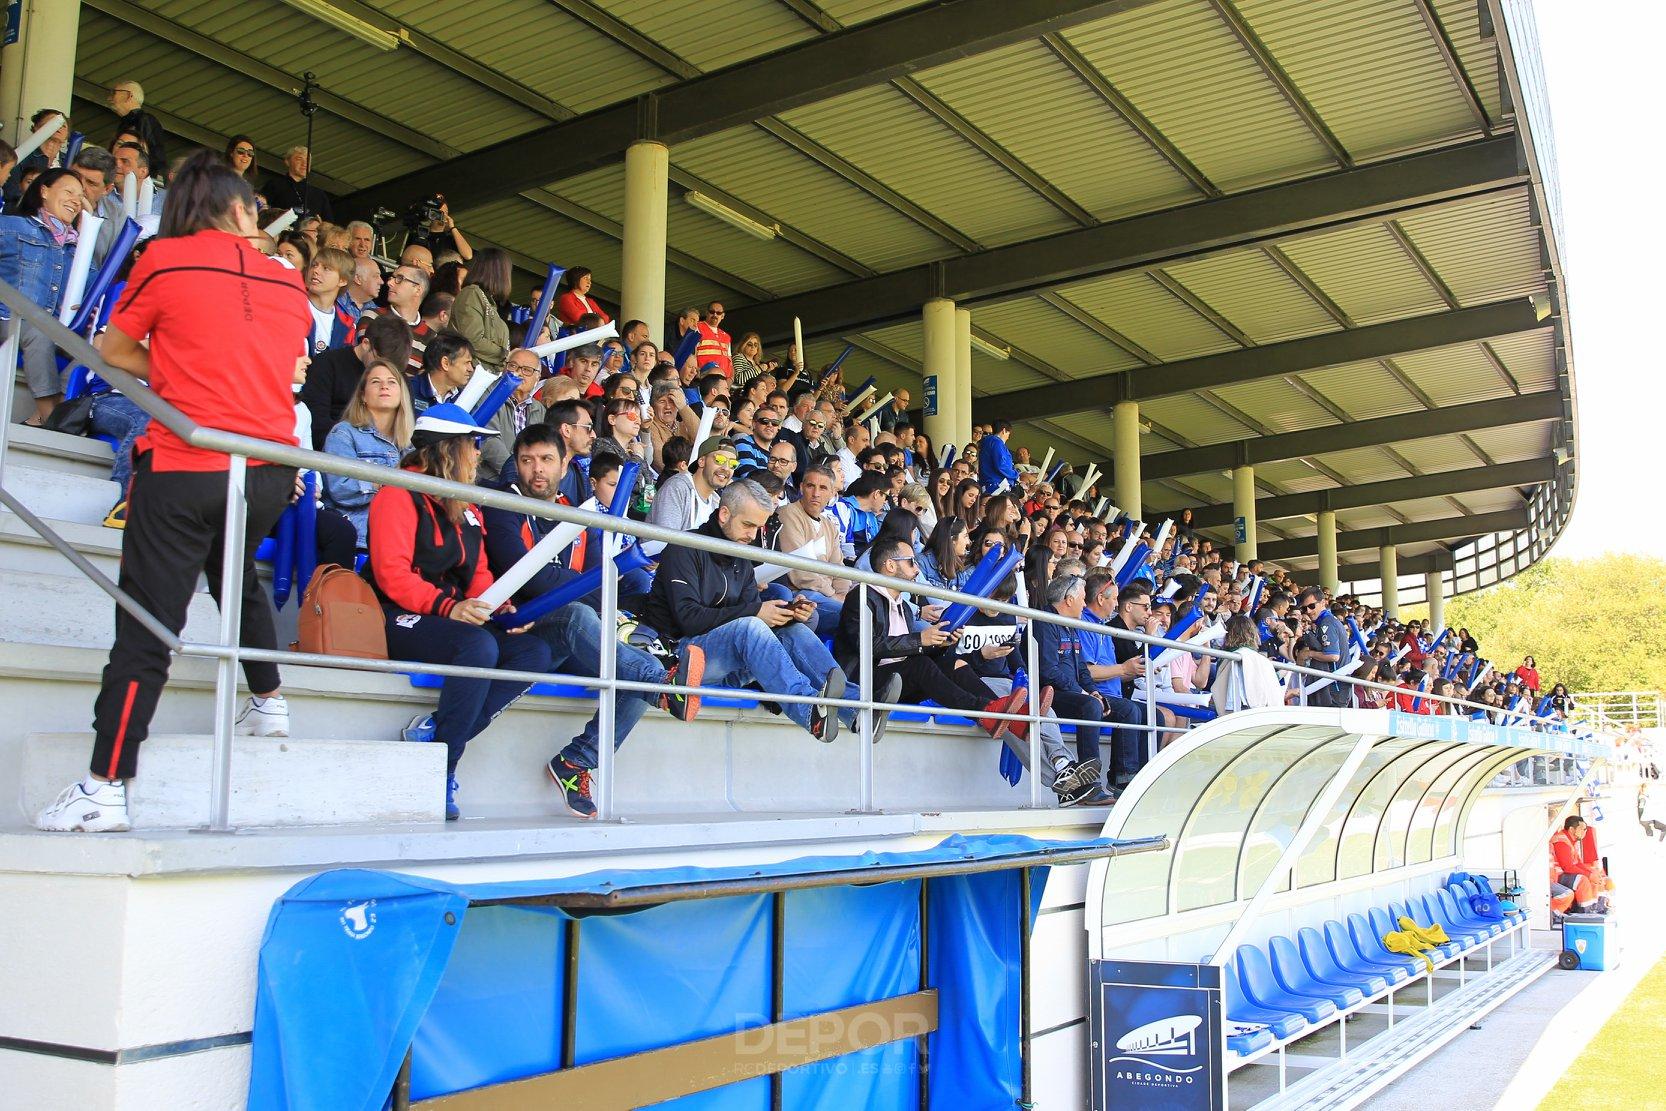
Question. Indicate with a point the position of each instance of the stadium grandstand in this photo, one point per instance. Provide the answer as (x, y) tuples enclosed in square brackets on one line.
[(1049, 406)]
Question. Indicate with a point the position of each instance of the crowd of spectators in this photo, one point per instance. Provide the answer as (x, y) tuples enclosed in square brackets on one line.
[(732, 442)]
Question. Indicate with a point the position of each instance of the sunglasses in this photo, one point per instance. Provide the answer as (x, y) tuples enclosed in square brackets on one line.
[(1310, 607), (770, 422), (725, 460)]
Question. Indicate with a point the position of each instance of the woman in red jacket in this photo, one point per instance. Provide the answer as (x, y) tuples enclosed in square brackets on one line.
[(428, 566), (1528, 673), (575, 301)]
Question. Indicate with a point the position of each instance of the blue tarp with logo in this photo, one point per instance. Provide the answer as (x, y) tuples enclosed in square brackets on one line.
[(359, 966)]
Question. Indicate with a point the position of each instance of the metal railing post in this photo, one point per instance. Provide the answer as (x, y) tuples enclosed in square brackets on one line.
[(231, 635), (607, 670), (1032, 668), (864, 668), (1151, 736), (9, 330)]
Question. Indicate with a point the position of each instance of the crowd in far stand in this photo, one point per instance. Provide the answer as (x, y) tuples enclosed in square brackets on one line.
[(371, 356)]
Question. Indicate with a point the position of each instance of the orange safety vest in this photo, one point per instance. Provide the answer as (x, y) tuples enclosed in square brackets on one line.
[(714, 348)]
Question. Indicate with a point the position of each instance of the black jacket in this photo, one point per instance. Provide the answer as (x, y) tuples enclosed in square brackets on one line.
[(141, 123), (847, 642), (695, 591), (282, 191), (332, 379)]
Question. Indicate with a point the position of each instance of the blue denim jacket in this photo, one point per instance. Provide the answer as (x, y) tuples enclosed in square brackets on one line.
[(350, 495), (32, 262)]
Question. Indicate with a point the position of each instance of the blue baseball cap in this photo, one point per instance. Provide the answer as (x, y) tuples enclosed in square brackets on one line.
[(442, 421)]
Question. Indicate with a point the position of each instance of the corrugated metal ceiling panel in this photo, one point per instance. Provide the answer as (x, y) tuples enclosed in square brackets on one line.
[(202, 90), (1369, 67), (543, 234), (1366, 272), (537, 44), (1029, 101), (1250, 290), (1363, 390), (1454, 375), (1137, 307), (711, 34), (1440, 453), (1527, 441), (802, 194), (1366, 464), (852, 12), (1093, 427), (1483, 249), (1182, 67), (1531, 358), (1275, 403), (1195, 419), (1294, 475), (1355, 520), (1462, 21), (887, 135), (1053, 337), (1214, 488), (379, 80)]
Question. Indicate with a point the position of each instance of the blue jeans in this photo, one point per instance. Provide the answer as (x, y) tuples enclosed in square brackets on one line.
[(467, 706), (827, 609), (789, 660), (574, 634), (1128, 746), (115, 416)]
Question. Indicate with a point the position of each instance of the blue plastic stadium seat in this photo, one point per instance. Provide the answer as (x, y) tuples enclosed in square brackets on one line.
[(1295, 977), (1248, 1042), (264, 550), (1461, 894), (1324, 969), (1460, 913), (1264, 990), (1470, 936), (1239, 1008), (1347, 956), (1477, 886), (552, 690)]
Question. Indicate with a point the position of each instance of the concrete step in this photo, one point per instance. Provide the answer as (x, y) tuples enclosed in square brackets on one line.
[(61, 495), (71, 610), (57, 451), (730, 760), (275, 781), (22, 549)]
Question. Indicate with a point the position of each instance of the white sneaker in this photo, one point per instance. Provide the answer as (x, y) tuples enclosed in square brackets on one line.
[(78, 810), (266, 717)]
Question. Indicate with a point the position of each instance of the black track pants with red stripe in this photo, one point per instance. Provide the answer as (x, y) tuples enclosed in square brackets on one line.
[(176, 531)]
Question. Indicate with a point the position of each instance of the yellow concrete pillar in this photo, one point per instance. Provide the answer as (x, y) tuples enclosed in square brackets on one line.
[(1243, 508), (960, 391), (1388, 568), (1125, 433), (642, 281), (38, 70), (940, 365), (1434, 588), (1329, 577)]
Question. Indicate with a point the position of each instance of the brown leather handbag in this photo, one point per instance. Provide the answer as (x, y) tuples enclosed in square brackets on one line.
[(340, 616)]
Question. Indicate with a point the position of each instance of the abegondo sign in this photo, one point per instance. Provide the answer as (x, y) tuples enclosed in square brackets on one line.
[(1157, 1041)]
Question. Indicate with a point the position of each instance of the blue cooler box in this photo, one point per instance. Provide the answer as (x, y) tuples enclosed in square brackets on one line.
[(1594, 938)]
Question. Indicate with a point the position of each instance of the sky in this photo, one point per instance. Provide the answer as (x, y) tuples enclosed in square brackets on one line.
[(1602, 67)]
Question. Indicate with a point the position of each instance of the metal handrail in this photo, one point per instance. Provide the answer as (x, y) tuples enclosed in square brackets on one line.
[(239, 448)]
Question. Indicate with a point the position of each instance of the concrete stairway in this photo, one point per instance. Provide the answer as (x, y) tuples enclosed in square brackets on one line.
[(56, 627)]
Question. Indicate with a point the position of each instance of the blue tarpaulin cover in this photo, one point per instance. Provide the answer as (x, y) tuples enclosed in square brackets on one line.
[(357, 966)]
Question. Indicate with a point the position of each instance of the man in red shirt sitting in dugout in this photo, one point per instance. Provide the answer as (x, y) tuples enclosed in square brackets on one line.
[(1576, 864)]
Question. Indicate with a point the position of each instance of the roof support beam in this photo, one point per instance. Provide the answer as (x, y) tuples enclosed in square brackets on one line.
[(1418, 532), (1475, 416), (1274, 360), (1369, 193), (1405, 565), (805, 73), (1466, 481)]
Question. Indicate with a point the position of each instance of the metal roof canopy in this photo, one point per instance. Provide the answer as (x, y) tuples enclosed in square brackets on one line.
[(1125, 190), (1235, 796)]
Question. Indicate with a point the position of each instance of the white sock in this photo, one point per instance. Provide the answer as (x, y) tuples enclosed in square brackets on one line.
[(259, 701), (1060, 763), (93, 786)]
